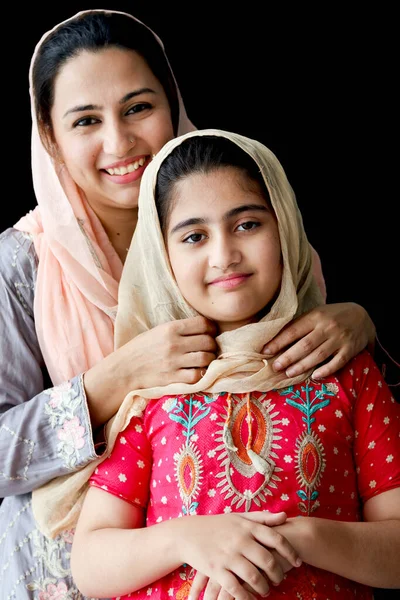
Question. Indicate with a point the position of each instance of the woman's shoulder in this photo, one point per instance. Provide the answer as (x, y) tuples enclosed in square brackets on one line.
[(18, 264), (17, 252)]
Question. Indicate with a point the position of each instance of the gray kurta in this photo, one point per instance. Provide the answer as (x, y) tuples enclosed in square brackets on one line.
[(43, 434)]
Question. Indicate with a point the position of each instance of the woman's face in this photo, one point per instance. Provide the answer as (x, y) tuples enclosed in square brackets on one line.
[(110, 115)]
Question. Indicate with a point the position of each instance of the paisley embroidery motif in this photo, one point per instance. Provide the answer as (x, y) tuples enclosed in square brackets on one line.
[(264, 443)]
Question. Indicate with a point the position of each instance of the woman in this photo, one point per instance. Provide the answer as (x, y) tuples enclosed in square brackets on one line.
[(98, 118)]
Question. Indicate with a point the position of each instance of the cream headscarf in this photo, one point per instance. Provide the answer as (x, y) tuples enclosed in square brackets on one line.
[(149, 296), (79, 271)]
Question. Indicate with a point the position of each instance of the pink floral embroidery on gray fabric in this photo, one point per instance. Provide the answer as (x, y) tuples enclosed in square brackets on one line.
[(61, 411)]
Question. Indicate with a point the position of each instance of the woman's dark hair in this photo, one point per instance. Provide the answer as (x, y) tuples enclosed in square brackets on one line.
[(94, 31), (200, 154)]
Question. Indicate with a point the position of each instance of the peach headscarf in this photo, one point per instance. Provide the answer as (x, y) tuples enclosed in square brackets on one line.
[(76, 292)]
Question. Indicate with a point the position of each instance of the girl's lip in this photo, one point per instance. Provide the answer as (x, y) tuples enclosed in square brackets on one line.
[(230, 281)]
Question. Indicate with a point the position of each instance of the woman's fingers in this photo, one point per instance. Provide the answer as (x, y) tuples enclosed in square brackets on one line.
[(335, 331), (196, 360), (195, 326)]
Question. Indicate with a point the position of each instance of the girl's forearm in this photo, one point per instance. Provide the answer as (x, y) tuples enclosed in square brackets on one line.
[(130, 558), (364, 552)]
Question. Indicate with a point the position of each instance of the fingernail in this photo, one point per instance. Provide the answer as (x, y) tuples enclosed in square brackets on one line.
[(277, 366), (291, 372), (267, 350), (299, 562)]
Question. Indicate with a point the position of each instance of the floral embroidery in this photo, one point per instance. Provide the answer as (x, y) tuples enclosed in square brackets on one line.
[(184, 590), (60, 409), (310, 453), (188, 463), (48, 552), (54, 592)]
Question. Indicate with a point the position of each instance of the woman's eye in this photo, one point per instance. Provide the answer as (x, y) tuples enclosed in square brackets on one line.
[(138, 108), (194, 238), (85, 121), (248, 226)]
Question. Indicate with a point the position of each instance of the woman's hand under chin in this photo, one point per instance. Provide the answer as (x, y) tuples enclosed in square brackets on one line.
[(331, 334)]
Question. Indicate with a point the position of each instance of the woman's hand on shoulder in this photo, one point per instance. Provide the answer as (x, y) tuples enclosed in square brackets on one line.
[(178, 351), (333, 333)]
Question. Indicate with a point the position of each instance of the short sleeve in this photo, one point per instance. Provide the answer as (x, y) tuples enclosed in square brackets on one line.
[(126, 472), (377, 429)]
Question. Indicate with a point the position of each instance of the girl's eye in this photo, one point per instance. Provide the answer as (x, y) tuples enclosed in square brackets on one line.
[(85, 121), (248, 226), (194, 238), (138, 108)]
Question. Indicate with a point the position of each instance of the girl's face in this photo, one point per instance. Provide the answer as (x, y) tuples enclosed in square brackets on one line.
[(110, 115), (223, 245)]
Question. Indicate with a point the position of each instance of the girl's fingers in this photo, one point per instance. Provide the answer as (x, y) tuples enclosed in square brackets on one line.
[(270, 538), (265, 517), (249, 573), (200, 582)]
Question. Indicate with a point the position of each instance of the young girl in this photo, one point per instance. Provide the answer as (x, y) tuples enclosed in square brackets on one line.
[(203, 479)]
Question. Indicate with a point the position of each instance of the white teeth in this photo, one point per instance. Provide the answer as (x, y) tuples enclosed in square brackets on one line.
[(128, 169)]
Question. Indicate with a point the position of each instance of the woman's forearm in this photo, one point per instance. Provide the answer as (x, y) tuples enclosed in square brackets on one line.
[(106, 385), (364, 552), (130, 558)]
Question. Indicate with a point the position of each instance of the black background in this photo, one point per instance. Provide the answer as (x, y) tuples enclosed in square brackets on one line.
[(316, 86)]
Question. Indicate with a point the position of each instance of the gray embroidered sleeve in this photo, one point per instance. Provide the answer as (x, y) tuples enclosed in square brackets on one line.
[(43, 433)]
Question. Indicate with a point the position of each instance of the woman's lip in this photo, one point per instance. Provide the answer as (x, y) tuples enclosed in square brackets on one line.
[(128, 177), (126, 162), (230, 281)]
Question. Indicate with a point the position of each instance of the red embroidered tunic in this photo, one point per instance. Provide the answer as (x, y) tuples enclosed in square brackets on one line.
[(329, 447)]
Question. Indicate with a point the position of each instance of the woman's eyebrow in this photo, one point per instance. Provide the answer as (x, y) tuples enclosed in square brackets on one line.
[(228, 215), (128, 96)]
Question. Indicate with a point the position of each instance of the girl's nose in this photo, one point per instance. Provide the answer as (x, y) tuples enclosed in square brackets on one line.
[(224, 253)]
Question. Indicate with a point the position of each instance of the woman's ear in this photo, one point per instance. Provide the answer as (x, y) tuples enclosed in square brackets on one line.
[(50, 144)]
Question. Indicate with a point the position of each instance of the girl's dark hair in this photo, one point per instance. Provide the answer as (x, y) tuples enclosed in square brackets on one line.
[(200, 154), (95, 31)]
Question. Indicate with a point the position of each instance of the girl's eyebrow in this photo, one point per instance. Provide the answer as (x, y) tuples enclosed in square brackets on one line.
[(228, 215), (128, 96)]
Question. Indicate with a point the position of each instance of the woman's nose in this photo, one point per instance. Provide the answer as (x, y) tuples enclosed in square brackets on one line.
[(118, 141)]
